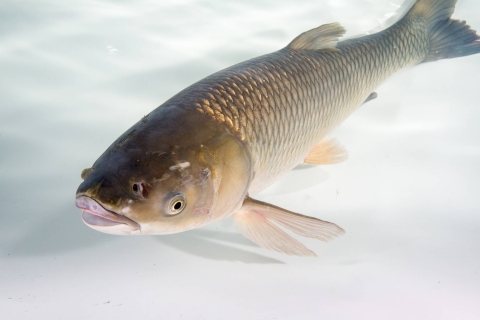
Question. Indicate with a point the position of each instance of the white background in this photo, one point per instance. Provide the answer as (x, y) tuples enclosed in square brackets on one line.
[(77, 74)]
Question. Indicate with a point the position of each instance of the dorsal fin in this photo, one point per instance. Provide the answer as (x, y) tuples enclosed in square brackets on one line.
[(321, 38)]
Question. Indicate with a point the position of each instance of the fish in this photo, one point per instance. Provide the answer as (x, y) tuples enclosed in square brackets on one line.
[(203, 154)]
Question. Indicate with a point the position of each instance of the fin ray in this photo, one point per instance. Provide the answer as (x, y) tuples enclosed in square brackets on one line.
[(302, 225), (327, 152), (261, 231), (449, 38), (258, 221)]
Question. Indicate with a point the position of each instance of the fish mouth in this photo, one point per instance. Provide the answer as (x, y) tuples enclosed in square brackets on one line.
[(97, 217)]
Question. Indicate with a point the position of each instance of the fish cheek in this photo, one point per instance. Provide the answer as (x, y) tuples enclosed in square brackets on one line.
[(144, 212), (157, 215)]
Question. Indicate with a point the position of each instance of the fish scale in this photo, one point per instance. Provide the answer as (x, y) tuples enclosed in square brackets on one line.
[(284, 103)]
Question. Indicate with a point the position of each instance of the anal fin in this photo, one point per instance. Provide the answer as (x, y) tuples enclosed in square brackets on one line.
[(327, 152), (257, 221)]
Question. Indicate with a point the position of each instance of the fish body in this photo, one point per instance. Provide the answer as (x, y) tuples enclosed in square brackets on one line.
[(282, 104), (200, 156)]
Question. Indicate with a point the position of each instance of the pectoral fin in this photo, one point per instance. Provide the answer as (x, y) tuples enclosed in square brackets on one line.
[(327, 152), (257, 221)]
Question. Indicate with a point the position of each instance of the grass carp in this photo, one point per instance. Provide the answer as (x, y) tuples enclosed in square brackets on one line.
[(201, 155)]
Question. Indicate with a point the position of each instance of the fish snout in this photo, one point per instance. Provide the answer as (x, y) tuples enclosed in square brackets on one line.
[(88, 204), (101, 219)]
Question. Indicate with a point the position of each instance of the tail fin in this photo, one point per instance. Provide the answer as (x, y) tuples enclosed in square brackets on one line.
[(448, 38)]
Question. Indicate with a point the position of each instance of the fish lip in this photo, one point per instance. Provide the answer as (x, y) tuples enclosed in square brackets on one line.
[(92, 206)]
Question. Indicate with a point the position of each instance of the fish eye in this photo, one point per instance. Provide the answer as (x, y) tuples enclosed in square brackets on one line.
[(177, 204)]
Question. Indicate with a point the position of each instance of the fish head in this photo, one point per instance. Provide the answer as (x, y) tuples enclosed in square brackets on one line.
[(165, 181)]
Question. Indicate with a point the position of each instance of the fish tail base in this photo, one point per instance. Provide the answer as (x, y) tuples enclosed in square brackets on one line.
[(452, 39), (448, 38)]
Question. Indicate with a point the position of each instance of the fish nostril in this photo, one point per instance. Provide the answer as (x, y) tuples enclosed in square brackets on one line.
[(140, 189), (144, 190)]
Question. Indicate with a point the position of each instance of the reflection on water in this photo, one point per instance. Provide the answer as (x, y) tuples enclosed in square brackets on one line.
[(76, 74)]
